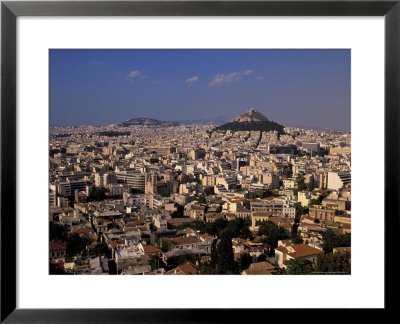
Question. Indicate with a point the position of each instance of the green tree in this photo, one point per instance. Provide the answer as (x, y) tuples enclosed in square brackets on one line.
[(207, 268), (198, 225), (323, 152), (339, 263), (165, 244), (225, 262), (202, 200), (244, 261), (297, 239), (97, 194), (178, 212), (300, 183), (262, 258), (295, 235), (273, 232), (211, 228), (101, 249), (314, 202), (248, 221), (154, 262), (58, 232), (76, 244), (214, 253), (264, 193), (238, 228), (299, 266), (246, 204), (331, 240), (299, 213), (220, 224), (293, 232)]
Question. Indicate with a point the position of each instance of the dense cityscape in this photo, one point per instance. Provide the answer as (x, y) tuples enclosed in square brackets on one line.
[(147, 197)]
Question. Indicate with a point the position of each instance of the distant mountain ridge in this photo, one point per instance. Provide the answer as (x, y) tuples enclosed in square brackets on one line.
[(252, 120), (146, 122)]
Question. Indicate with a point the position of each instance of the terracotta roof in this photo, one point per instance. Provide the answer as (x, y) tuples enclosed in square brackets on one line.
[(268, 198), (259, 268), (286, 242), (82, 230), (299, 250), (188, 268), (150, 249), (57, 246), (205, 236), (185, 240), (179, 220)]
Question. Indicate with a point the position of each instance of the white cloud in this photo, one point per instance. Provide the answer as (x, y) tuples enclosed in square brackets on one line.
[(192, 80), (135, 74), (221, 79), (260, 77)]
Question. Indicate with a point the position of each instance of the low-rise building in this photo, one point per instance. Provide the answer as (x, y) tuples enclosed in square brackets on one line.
[(286, 253)]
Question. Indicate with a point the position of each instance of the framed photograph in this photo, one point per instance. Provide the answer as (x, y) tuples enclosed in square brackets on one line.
[(251, 148)]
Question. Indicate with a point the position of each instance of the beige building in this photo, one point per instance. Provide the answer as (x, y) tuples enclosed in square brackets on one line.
[(208, 181), (272, 180), (289, 183), (259, 216), (322, 214), (197, 212), (340, 150)]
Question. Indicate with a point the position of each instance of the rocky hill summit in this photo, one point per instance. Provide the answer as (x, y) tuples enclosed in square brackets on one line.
[(251, 120), (250, 116)]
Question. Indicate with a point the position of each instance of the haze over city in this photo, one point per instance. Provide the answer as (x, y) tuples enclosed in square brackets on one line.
[(303, 88)]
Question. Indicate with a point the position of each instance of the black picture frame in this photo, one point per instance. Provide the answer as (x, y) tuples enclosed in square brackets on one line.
[(10, 10)]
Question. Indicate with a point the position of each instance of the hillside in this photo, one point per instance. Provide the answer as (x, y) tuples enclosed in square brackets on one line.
[(251, 120), (146, 122)]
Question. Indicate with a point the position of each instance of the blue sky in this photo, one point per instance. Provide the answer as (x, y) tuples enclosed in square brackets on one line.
[(305, 88)]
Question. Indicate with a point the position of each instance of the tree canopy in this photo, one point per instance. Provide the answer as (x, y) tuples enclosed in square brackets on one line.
[(338, 263), (244, 261), (331, 240), (225, 263), (273, 232), (97, 194), (299, 266), (300, 183)]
